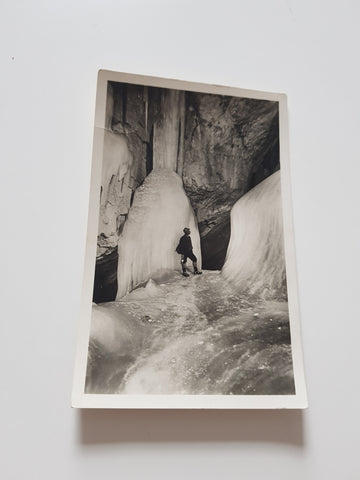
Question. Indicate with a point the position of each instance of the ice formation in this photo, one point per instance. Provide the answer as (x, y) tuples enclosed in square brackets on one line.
[(193, 335), (155, 223), (115, 190), (116, 338), (114, 330), (169, 131), (255, 260)]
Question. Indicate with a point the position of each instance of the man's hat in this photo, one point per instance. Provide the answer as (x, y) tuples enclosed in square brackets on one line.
[(186, 230)]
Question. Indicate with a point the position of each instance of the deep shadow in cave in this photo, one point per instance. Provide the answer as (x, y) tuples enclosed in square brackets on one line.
[(105, 281), (214, 246)]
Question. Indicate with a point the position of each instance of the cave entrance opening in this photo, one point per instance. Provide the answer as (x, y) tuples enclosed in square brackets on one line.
[(214, 239)]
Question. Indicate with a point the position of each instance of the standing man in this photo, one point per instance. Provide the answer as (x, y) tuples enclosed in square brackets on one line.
[(186, 251)]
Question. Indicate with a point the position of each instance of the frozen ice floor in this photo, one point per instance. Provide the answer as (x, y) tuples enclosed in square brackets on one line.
[(193, 335)]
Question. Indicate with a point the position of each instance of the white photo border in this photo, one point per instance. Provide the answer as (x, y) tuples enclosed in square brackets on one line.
[(82, 400)]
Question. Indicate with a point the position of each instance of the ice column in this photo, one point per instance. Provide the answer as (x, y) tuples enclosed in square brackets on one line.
[(159, 213), (169, 131)]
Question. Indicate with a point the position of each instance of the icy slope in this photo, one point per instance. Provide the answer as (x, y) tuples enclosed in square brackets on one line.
[(255, 260), (194, 335), (116, 338), (154, 226)]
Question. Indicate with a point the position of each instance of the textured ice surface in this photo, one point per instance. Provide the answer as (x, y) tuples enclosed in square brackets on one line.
[(116, 338), (115, 190), (194, 335), (255, 261), (159, 213)]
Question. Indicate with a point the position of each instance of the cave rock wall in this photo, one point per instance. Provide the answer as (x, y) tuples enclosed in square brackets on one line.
[(231, 144)]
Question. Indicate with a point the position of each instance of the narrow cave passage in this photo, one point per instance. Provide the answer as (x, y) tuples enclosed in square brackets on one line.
[(214, 243)]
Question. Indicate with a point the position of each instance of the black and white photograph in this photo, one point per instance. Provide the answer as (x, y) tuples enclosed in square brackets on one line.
[(181, 229), (187, 267)]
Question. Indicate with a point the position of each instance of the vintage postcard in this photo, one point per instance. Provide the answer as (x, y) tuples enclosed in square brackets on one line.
[(190, 293)]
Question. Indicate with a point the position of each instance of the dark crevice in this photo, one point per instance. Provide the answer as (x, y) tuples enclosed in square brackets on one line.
[(214, 244), (132, 197), (105, 281), (150, 153)]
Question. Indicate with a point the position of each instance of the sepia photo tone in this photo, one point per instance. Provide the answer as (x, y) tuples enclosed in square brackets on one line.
[(190, 288)]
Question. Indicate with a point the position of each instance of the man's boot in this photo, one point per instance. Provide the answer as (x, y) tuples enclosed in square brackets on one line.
[(196, 271), (184, 272)]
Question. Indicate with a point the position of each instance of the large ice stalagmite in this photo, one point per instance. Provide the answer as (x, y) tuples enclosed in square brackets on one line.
[(159, 213), (255, 261)]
